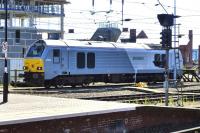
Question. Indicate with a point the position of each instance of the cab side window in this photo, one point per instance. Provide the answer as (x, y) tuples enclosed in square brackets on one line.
[(160, 60), (56, 56), (157, 57)]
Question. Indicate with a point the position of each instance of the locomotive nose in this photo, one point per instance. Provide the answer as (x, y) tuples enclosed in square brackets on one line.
[(33, 71), (33, 65)]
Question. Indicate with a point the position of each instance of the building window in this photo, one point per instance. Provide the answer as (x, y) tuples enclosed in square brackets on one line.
[(90, 60), (80, 60), (17, 36), (56, 56), (70, 30)]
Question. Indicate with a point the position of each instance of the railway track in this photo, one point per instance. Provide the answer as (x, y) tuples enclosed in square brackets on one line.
[(148, 98), (126, 97), (66, 89), (135, 95)]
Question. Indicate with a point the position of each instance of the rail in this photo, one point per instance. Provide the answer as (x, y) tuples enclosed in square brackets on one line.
[(150, 98), (189, 130)]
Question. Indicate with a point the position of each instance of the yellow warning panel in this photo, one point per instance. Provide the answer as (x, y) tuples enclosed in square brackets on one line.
[(33, 65)]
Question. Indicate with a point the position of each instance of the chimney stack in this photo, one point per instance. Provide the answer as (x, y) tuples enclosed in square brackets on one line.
[(190, 43), (132, 35)]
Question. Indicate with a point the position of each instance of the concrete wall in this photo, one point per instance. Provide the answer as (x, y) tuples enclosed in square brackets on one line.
[(142, 120)]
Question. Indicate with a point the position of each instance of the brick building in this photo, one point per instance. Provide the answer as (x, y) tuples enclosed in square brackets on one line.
[(186, 51)]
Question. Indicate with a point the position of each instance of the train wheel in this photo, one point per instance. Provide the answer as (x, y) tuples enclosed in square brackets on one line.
[(47, 85), (73, 86), (85, 85), (58, 86), (59, 83)]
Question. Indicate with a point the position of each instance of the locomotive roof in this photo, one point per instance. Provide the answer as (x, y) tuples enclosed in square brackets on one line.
[(94, 44)]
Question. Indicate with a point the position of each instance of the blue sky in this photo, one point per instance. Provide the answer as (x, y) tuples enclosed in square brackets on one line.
[(142, 12)]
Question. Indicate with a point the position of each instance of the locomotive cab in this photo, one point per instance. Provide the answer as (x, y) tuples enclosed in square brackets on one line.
[(34, 64)]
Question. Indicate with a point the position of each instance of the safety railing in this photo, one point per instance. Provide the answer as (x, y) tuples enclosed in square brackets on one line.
[(45, 10), (16, 77)]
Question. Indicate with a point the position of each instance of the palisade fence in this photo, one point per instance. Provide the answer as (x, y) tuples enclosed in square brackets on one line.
[(15, 68)]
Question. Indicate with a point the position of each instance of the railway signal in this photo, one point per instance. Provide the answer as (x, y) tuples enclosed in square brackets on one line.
[(167, 21), (166, 38)]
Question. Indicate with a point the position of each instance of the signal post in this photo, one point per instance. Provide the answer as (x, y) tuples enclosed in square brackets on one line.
[(167, 21), (5, 49)]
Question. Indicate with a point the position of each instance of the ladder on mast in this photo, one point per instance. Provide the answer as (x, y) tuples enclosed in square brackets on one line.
[(177, 67)]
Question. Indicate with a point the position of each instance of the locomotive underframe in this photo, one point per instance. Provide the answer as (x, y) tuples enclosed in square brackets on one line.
[(38, 79), (34, 78)]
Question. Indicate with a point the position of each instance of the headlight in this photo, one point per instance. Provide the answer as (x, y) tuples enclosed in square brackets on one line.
[(39, 68), (25, 67)]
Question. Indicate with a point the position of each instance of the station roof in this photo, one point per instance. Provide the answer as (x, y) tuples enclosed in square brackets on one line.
[(95, 44)]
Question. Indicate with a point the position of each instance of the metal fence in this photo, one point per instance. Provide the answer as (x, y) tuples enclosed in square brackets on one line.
[(15, 69), (41, 9), (16, 77)]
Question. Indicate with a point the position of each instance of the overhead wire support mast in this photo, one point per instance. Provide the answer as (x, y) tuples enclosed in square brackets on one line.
[(175, 40), (5, 75), (122, 12)]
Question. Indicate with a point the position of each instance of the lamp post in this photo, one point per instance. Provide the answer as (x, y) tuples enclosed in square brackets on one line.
[(5, 75)]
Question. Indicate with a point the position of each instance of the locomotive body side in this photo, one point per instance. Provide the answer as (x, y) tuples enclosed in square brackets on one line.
[(80, 63), (105, 61)]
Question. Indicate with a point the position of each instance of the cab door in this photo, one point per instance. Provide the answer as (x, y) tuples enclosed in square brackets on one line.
[(60, 59), (64, 61), (52, 63), (56, 63)]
